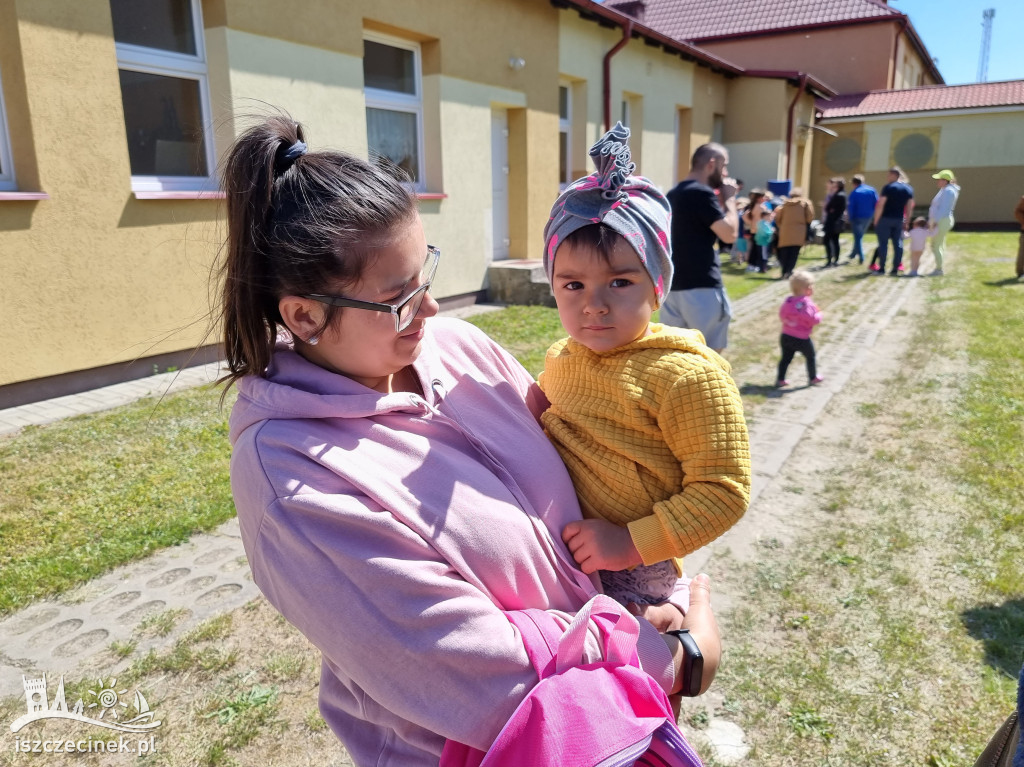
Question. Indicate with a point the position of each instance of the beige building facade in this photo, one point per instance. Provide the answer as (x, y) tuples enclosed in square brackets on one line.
[(977, 131)]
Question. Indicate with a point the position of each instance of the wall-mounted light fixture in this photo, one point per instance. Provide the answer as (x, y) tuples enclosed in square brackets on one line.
[(516, 63), (808, 128)]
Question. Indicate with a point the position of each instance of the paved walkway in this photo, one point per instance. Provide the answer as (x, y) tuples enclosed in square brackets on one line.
[(208, 575)]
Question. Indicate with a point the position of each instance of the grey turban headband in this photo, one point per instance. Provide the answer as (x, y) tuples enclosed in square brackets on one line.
[(630, 205)]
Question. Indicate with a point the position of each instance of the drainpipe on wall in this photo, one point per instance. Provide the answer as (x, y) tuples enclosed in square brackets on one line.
[(790, 122), (627, 31)]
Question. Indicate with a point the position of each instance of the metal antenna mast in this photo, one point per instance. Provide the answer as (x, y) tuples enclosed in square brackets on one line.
[(986, 42)]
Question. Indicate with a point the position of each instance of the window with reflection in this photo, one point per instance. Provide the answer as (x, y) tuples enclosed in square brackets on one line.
[(7, 182), (394, 103), (564, 136), (164, 92)]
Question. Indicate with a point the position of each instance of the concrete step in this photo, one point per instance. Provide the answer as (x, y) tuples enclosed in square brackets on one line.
[(519, 281)]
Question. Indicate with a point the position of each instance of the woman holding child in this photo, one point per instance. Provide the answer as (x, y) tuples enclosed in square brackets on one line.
[(395, 490)]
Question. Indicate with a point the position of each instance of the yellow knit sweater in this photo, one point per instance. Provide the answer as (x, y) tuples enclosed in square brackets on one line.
[(653, 436)]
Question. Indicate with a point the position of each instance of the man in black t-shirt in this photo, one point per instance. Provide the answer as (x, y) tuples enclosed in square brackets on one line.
[(697, 298), (892, 215)]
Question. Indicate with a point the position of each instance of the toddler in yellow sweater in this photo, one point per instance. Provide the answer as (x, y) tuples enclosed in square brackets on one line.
[(645, 416)]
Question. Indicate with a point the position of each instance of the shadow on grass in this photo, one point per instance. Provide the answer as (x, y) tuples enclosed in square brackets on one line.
[(768, 392), (1004, 283), (857, 275), (1001, 630)]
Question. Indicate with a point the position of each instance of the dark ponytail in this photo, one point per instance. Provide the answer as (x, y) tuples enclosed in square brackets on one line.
[(298, 223)]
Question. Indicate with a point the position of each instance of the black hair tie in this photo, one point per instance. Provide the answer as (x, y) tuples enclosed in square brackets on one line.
[(291, 154)]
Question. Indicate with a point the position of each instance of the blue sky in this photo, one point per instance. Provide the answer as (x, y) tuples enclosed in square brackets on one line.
[(951, 30)]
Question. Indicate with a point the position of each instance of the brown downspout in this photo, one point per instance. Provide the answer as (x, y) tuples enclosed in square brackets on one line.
[(790, 121), (896, 49), (627, 31)]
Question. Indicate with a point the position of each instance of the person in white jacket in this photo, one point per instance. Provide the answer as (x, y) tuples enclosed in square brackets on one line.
[(940, 214)]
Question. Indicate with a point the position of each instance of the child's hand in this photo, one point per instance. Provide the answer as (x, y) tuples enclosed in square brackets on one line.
[(664, 616), (599, 545)]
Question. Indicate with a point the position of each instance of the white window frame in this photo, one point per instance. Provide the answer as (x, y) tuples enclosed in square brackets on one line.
[(380, 98), (565, 126), (8, 182), (137, 58)]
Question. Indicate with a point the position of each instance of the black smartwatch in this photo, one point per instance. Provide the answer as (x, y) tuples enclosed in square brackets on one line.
[(693, 663)]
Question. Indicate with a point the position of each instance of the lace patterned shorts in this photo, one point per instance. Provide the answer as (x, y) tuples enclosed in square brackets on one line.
[(644, 584)]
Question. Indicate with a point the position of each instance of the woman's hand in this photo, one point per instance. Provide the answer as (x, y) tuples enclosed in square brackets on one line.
[(600, 545), (700, 620)]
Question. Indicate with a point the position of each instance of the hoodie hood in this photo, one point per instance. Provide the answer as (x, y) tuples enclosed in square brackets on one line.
[(296, 388), (660, 337)]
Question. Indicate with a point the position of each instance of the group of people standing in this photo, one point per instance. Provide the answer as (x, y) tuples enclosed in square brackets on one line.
[(784, 226), (891, 212)]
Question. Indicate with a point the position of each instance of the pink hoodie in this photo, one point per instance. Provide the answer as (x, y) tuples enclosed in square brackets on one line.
[(799, 316), (394, 529)]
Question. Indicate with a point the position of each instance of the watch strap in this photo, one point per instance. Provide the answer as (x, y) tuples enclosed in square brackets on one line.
[(693, 663)]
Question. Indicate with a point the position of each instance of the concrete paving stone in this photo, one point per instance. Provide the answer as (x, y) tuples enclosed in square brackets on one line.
[(696, 562), (36, 409), (772, 444), (758, 482), (11, 421), (816, 398), (726, 741), (200, 579)]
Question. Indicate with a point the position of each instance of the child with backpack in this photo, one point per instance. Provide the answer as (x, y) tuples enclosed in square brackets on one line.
[(799, 315), (645, 416)]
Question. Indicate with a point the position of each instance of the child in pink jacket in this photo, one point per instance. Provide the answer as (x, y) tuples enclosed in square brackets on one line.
[(799, 315)]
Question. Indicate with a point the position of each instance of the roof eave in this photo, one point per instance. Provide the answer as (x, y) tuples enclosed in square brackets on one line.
[(812, 85), (919, 112), (609, 17), (895, 17)]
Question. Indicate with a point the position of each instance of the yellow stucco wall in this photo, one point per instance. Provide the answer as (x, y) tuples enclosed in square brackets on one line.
[(91, 276), (755, 127), (126, 278), (660, 84), (969, 144)]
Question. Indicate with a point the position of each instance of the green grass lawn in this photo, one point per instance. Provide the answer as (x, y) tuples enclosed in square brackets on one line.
[(82, 496), (876, 640), (892, 631), (87, 494)]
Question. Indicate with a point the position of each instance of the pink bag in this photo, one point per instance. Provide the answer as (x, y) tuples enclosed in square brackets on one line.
[(605, 714)]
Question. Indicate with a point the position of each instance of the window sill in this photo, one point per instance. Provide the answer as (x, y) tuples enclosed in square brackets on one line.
[(23, 196), (431, 196), (179, 195)]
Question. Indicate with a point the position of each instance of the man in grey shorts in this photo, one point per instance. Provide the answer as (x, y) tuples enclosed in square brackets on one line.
[(697, 298)]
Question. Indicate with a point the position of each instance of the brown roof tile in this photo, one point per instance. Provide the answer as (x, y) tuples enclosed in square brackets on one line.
[(703, 20), (929, 98)]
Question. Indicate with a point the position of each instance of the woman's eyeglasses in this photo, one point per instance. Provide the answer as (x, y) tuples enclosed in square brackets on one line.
[(405, 310)]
